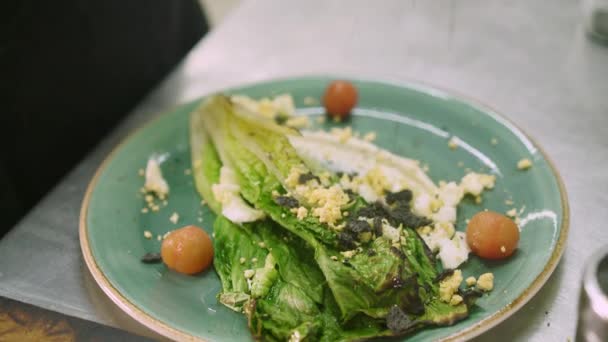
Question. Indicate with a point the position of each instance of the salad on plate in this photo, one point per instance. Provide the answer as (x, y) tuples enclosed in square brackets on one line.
[(322, 235)]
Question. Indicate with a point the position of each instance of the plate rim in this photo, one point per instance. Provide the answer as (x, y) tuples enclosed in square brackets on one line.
[(478, 328)]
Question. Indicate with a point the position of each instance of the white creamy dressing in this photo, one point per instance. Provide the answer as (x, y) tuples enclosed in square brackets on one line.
[(228, 193), (155, 182), (358, 156)]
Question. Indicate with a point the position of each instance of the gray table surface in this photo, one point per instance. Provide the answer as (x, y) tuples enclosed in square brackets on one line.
[(528, 59)]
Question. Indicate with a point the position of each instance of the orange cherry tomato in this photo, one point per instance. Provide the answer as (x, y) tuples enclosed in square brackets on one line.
[(187, 250), (340, 98), (492, 235)]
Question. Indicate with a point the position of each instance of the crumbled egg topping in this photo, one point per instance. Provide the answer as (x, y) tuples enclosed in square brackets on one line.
[(325, 178), (524, 164), (452, 144), (325, 202), (249, 274), (451, 245), (455, 300), (377, 180), (301, 213), (486, 282), (349, 254), (391, 233), (369, 137), (298, 122), (279, 106), (449, 286), (174, 218), (266, 107), (454, 252), (310, 101), (473, 183), (433, 236), (343, 134), (295, 336), (471, 281), (293, 178)]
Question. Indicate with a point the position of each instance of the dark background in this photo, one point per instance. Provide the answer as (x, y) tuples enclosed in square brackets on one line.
[(69, 71)]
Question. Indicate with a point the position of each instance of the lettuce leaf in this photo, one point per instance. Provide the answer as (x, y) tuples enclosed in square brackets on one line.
[(309, 289), (205, 162)]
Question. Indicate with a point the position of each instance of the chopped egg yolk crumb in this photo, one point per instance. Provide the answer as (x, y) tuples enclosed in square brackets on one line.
[(449, 286), (301, 213), (266, 107), (343, 134), (452, 143), (147, 234), (174, 218), (474, 183), (524, 164), (329, 200), (455, 300), (298, 122), (349, 254), (471, 281), (486, 282), (326, 202), (310, 101), (369, 137), (293, 178), (377, 180), (249, 274)]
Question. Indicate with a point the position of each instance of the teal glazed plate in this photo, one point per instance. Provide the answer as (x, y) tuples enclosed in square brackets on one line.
[(410, 119)]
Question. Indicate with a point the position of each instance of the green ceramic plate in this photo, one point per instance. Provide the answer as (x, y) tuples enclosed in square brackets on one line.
[(410, 119)]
